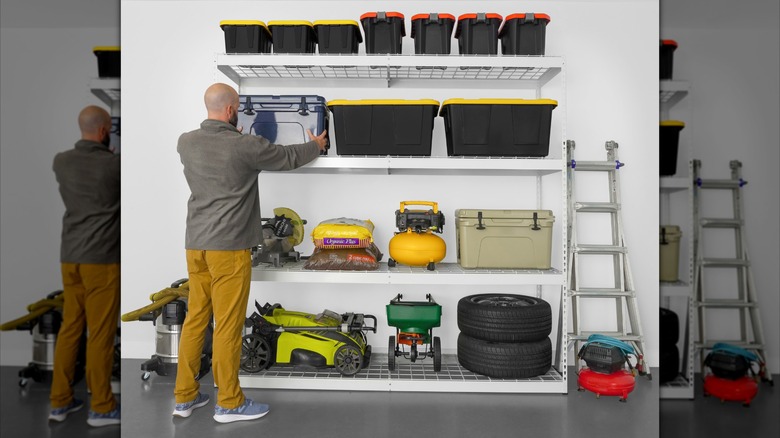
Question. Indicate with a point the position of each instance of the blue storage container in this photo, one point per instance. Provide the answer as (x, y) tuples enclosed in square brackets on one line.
[(283, 119)]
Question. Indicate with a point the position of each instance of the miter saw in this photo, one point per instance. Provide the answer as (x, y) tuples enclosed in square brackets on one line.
[(281, 234)]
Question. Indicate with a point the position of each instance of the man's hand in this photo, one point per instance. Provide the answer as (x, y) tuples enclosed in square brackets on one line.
[(321, 141)]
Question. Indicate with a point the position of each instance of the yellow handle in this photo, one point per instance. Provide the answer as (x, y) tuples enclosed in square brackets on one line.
[(435, 205)]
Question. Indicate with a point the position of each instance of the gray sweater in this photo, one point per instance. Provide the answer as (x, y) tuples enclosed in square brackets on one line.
[(88, 176), (221, 167)]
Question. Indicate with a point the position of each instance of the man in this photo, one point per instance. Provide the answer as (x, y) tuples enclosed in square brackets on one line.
[(223, 222), (88, 177)]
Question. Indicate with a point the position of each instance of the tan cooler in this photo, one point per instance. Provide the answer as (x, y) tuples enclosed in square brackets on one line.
[(506, 239), (669, 239)]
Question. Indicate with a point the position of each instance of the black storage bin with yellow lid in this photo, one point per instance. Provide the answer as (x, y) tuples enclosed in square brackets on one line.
[(246, 36), (384, 32), (293, 36), (477, 33), (498, 127), (338, 36), (669, 144), (432, 33), (384, 126), (524, 34), (667, 58), (109, 61), (283, 119)]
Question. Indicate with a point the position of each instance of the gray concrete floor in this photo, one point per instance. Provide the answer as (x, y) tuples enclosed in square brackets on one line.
[(707, 416)]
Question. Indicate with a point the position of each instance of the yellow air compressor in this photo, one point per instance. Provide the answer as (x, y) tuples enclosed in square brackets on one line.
[(415, 244)]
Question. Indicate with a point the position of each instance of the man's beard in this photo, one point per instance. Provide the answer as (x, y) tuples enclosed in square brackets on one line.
[(234, 119)]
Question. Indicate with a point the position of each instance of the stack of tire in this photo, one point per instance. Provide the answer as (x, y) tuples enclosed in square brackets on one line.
[(504, 336), (669, 330)]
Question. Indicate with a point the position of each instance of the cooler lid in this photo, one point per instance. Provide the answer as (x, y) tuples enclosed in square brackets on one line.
[(290, 23), (387, 14), (345, 102), (669, 43), (105, 49), (672, 123), (242, 23), (427, 16), (522, 16), (471, 213)]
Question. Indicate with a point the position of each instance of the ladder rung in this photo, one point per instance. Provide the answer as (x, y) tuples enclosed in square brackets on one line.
[(708, 345), (721, 263), (597, 166), (596, 207), (595, 292), (725, 304), (721, 223), (720, 184), (600, 249), (617, 335)]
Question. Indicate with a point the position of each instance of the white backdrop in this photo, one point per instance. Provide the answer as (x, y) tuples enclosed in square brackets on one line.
[(169, 60)]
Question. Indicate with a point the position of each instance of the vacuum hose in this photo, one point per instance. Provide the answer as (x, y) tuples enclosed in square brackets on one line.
[(36, 309), (159, 299)]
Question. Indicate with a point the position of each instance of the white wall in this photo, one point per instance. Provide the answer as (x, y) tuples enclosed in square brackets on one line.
[(44, 85), (733, 64), (611, 94)]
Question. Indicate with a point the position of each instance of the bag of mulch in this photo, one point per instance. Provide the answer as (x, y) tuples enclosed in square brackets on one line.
[(345, 259), (343, 233)]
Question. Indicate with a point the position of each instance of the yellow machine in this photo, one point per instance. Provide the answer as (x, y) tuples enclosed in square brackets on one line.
[(415, 244)]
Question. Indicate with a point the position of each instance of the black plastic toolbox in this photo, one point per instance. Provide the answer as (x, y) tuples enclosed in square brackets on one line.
[(384, 32), (727, 365), (109, 61), (524, 34), (498, 127), (604, 359), (432, 33), (477, 33), (669, 138), (384, 127), (293, 36), (667, 58), (338, 36), (283, 119), (246, 36)]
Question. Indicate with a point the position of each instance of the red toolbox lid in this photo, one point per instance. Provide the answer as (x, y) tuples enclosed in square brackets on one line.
[(428, 16), (387, 14), (522, 16), (669, 43), (489, 16)]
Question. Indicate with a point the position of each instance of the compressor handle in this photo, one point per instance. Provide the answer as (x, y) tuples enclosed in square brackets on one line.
[(434, 205)]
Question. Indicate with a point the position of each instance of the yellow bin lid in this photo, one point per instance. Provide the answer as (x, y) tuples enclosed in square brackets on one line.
[(336, 23), (459, 101), (105, 49), (289, 23), (672, 123), (345, 102), (242, 23)]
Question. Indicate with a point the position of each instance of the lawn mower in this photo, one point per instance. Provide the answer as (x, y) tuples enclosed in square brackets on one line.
[(729, 379), (327, 339), (606, 374), (414, 322), (281, 234), (415, 244)]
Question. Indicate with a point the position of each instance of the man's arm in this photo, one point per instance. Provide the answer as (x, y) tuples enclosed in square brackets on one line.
[(268, 156)]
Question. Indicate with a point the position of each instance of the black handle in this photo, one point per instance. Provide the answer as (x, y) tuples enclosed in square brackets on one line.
[(54, 294), (479, 221), (663, 237), (536, 226), (179, 282)]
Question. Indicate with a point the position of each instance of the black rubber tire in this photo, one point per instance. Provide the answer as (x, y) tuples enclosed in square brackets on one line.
[(391, 353), (436, 354), (505, 360), (668, 327), (504, 317), (669, 363), (256, 353), (348, 360)]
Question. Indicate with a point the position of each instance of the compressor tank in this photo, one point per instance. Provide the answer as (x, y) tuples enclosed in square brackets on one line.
[(417, 249)]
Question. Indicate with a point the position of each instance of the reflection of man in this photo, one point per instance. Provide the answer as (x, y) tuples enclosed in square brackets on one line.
[(88, 176), (223, 222)]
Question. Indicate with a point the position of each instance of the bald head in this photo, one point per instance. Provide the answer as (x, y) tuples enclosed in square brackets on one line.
[(221, 102), (92, 119)]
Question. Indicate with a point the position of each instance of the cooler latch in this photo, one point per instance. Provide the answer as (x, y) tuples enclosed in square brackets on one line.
[(480, 226), (481, 17), (248, 106), (303, 109), (663, 237), (536, 226)]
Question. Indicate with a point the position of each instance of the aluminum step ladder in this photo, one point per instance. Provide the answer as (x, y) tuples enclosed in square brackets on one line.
[(746, 302), (629, 328)]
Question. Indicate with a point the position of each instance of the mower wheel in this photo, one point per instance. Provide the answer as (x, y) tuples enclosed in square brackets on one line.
[(391, 353), (436, 354), (504, 318), (348, 360), (255, 353), (505, 360)]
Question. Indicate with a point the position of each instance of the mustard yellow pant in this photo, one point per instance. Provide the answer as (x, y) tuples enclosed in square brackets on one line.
[(219, 284), (91, 297)]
